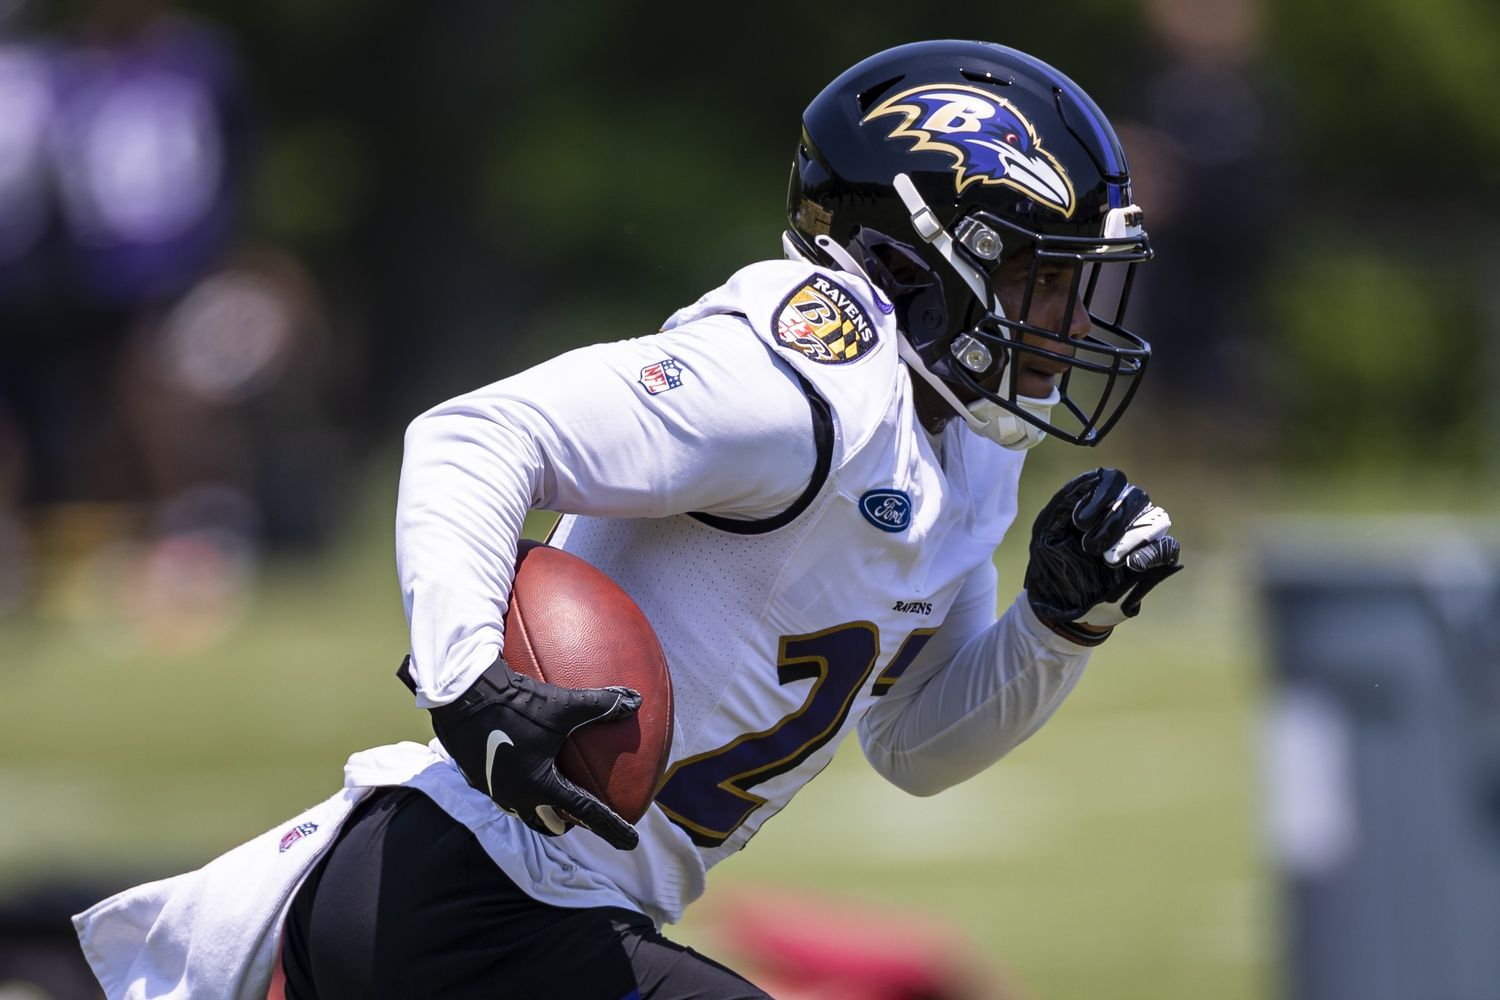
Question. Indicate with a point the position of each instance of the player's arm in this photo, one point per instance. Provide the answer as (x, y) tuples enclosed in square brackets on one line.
[(980, 686), (581, 434), (977, 690)]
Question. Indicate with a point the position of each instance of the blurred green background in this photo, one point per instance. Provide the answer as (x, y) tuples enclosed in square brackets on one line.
[(467, 188)]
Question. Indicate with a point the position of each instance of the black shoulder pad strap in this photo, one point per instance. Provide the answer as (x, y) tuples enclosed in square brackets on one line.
[(822, 425)]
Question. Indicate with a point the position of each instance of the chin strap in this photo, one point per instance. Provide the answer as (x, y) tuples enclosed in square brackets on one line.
[(986, 418), (914, 361), (840, 256), (926, 223), (1011, 431)]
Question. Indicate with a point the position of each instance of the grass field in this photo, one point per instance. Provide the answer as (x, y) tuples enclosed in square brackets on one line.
[(1115, 854)]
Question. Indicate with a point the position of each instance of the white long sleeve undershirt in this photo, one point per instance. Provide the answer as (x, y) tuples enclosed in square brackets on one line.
[(978, 690), (570, 436)]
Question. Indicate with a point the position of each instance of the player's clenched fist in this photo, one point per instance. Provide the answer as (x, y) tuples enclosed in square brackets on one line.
[(1097, 548)]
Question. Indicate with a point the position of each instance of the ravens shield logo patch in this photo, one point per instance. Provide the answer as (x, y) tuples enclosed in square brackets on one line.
[(824, 322)]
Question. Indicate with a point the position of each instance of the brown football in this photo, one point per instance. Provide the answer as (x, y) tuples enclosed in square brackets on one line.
[(570, 625)]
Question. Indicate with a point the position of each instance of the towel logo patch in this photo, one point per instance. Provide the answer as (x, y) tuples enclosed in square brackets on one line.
[(295, 834)]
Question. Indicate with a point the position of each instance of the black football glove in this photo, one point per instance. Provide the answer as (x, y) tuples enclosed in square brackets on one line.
[(505, 732), (1097, 548)]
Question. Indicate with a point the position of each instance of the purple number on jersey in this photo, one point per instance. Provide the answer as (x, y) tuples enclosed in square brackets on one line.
[(709, 795)]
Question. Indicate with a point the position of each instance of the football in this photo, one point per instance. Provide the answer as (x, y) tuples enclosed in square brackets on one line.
[(571, 625)]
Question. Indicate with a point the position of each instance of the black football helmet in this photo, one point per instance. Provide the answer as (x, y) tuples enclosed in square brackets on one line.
[(928, 167)]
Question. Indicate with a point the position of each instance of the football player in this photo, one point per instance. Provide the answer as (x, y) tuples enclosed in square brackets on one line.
[(812, 464)]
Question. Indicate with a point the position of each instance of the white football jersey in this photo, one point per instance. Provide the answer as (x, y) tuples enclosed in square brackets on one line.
[(756, 478)]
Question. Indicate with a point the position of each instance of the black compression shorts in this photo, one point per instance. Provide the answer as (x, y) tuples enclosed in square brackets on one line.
[(408, 905)]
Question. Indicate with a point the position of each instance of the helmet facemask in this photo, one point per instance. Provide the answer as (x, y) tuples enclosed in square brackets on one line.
[(1097, 373)]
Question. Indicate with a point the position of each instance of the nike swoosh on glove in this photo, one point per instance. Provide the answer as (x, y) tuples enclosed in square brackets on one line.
[(505, 731), (1097, 548)]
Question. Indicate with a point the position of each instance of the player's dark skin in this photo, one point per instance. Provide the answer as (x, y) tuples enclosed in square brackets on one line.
[(1035, 375)]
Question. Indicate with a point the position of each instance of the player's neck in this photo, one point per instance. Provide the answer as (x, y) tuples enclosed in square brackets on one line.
[(933, 411)]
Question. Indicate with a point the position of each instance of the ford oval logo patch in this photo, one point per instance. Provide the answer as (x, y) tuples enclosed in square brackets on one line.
[(888, 510)]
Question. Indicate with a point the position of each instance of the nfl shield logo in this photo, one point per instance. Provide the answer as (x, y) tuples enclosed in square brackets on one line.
[(665, 374), (295, 834)]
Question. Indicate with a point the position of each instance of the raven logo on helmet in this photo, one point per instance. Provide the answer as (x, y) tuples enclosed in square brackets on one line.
[(990, 141)]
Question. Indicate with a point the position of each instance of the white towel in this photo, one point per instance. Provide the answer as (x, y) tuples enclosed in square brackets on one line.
[(215, 933)]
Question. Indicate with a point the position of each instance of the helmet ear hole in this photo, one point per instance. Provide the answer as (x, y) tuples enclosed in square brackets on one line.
[(903, 269), (911, 284)]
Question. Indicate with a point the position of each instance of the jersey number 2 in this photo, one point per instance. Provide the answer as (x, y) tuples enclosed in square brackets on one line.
[(709, 796)]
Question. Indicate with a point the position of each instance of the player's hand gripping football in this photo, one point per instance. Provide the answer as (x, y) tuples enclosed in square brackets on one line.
[(1097, 548), (505, 731)]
